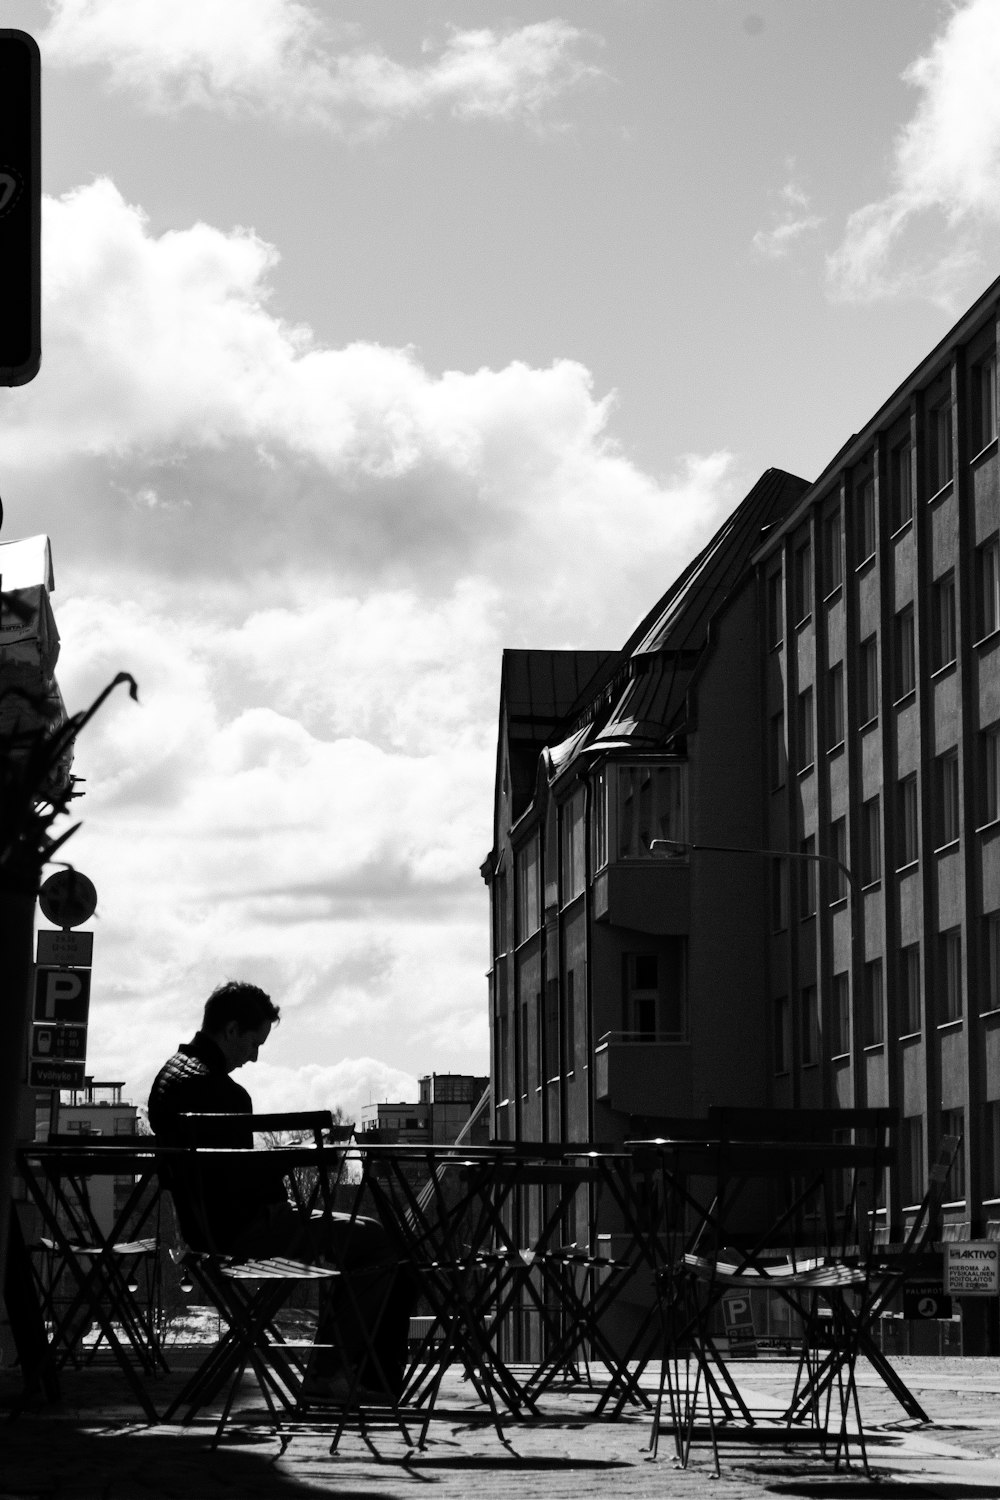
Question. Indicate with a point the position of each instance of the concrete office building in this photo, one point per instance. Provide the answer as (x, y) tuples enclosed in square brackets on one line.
[(824, 681)]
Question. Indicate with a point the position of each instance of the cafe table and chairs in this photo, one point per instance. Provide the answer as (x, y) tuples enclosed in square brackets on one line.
[(790, 1217), (88, 1276)]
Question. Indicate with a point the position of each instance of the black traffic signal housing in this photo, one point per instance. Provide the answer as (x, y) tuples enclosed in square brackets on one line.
[(20, 207)]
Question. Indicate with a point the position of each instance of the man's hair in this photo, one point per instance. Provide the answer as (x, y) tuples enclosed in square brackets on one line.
[(245, 1004)]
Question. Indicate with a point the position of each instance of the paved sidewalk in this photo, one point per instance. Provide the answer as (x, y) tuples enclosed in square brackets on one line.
[(90, 1448)]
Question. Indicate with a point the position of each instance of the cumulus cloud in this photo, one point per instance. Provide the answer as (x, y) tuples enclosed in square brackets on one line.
[(285, 59), (927, 234), (311, 560), (791, 222)]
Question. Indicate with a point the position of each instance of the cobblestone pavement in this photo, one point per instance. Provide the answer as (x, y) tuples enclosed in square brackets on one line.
[(90, 1447)]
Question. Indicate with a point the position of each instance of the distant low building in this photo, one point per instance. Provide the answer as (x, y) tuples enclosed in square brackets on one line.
[(95, 1109), (446, 1108)]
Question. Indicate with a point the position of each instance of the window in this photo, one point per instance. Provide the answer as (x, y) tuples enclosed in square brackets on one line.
[(573, 860), (866, 520), (569, 1023), (838, 851), (807, 877), (803, 582), (991, 960), (984, 387), (782, 1035), (991, 1154), (905, 662), (652, 804), (835, 705), (907, 823), (775, 621), (944, 621), (833, 566), (950, 948), (779, 894), (873, 1021), (871, 842), (909, 989), (810, 1026), (502, 1059), (901, 484), (841, 1014), (868, 680), (946, 776), (524, 1049), (953, 1123), (777, 755), (989, 774), (988, 587), (912, 1163), (940, 441), (655, 999), (806, 751), (528, 890), (599, 820)]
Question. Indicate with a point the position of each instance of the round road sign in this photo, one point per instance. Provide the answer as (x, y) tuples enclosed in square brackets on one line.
[(67, 898)]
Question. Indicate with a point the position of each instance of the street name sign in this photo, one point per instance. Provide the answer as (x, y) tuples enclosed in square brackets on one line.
[(972, 1268), (56, 1074)]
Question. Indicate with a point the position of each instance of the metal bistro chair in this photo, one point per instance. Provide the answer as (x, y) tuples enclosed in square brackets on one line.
[(790, 1211), (248, 1294)]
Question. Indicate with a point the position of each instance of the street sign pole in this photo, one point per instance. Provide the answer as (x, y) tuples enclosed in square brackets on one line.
[(20, 207)]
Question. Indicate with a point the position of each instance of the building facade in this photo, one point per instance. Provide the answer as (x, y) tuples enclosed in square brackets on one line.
[(754, 855)]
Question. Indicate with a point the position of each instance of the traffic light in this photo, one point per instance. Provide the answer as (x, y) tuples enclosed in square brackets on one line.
[(20, 207)]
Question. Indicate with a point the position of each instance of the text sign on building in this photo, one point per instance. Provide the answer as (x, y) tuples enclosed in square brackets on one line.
[(62, 995), (972, 1269), (59, 1041), (66, 946), (925, 1299), (59, 1073)]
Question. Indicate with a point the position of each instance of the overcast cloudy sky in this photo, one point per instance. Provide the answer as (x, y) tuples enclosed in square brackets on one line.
[(380, 336)]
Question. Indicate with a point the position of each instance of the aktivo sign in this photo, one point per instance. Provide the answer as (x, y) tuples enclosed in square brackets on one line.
[(972, 1269)]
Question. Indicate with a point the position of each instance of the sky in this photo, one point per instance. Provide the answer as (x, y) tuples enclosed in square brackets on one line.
[(378, 338)]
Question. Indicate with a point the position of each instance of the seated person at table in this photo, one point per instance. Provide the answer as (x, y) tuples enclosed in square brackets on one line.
[(244, 1211)]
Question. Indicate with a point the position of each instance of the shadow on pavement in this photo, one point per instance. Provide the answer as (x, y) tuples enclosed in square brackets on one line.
[(840, 1488), (42, 1460)]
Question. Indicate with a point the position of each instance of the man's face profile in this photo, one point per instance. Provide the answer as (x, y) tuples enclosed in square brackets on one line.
[(239, 1047)]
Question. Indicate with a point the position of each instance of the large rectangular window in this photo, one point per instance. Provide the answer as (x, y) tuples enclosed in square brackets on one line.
[(984, 393), (810, 1026), (946, 777), (528, 889), (655, 993), (874, 1013), (652, 804), (841, 1014), (803, 582), (807, 877), (901, 484), (806, 743), (777, 753), (599, 820), (573, 850), (871, 842), (944, 639), (991, 960), (838, 851), (833, 542), (905, 653), (989, 774), (782, 1035), (907, 822), (988, 587), (865, 520), (775, 613), (835, 706), (950, 955), (940, 456), (909, 989), (868, 680), (991, 1141), (912, 1161), (953, 1123)]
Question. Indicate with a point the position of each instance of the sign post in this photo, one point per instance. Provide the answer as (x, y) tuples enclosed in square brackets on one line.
[(20, 207)]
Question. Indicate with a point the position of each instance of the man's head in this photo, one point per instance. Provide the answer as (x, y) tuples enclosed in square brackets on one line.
[(238, 1018)]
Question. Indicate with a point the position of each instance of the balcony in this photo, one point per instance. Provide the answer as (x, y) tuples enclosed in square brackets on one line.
[(639, 1075)]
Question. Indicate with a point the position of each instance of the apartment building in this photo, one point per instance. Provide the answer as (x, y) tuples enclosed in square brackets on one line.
[(753, 856)]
